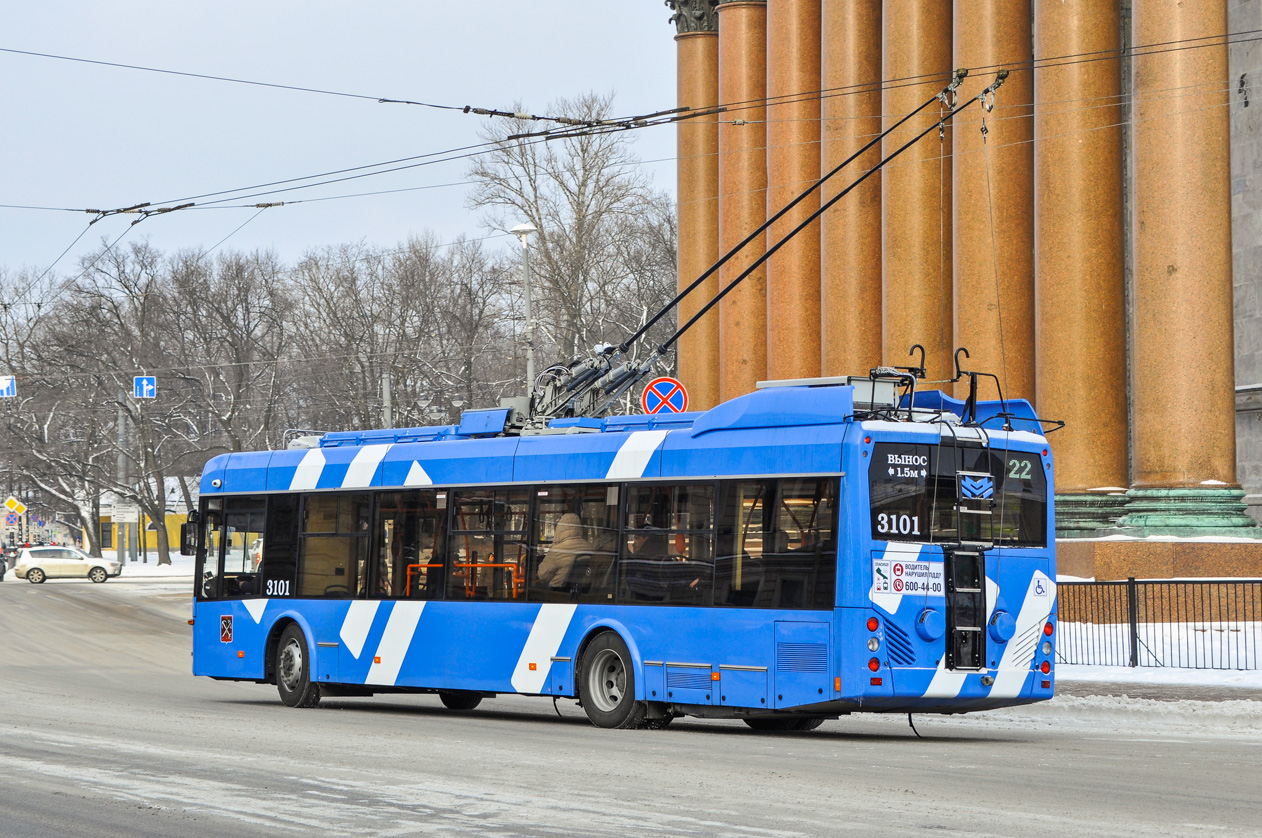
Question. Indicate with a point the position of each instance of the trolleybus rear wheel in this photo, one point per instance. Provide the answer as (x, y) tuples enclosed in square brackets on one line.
[(293, 670), (782, 724), (459, 699), (608, 684)]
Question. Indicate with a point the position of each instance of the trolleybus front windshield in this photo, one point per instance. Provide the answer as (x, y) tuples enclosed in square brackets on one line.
[(917, 493)]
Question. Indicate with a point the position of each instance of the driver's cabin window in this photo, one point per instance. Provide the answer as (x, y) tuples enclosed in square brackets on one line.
[(232, 534)]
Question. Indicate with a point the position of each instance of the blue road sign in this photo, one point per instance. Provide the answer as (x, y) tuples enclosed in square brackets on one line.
[(664, 395), (145, 387), (8, 387)]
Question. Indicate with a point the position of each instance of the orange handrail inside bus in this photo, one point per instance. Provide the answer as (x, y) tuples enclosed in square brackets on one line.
[(469, 581), (416, 568)]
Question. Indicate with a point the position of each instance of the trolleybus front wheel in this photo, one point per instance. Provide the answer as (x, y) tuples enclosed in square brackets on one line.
[(293, 670), (608, 684), (459, 699), (781, 724)]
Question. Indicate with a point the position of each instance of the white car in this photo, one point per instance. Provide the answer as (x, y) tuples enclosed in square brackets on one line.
[(35, 564)]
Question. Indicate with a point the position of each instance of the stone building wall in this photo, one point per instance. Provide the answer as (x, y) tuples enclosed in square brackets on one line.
[(1246, 207)]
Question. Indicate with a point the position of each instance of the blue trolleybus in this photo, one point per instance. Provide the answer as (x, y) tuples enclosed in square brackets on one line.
[(809, 550)]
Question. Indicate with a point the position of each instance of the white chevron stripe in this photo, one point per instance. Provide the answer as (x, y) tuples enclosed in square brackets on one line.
[(307, 475), (364, 466), (256, 607), (541, 645), (417, 476), (634, 455), (357, 624), (1015, 664), (395, 642), (947, 683)]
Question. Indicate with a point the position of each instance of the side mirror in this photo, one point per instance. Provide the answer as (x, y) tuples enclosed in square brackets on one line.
[(194, 517), (188, 539)]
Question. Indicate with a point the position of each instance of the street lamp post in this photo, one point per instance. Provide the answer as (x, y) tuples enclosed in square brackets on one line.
[(523, 231)]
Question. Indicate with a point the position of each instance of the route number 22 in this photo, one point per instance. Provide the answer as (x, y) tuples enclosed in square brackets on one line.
[(1019, 469)]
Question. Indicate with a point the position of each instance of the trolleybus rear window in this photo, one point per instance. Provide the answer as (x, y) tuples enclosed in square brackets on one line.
[(930, 493)]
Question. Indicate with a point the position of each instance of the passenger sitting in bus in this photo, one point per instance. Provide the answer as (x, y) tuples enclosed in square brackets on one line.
[(643, 566), (567, 544)]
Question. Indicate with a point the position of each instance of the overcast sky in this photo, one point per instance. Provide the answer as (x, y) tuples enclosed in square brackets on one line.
[(79, 136)]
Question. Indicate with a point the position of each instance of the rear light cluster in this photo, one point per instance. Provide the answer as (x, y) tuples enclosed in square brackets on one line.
[(873, 644), (1046, 648)]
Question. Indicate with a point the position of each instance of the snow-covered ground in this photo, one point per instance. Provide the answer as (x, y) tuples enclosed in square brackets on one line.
[(1170, 675)]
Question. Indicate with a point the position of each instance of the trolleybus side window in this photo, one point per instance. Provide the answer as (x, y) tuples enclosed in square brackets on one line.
[(334, 545), (278, 549), (409, 550), (488, 544), (574, 543), (668, 552), (777, 546)]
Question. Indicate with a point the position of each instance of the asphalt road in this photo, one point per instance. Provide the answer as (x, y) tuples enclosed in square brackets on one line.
[(104, 732)]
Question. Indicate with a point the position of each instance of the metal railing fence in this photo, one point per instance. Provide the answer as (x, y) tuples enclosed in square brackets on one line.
[(1198, 625)]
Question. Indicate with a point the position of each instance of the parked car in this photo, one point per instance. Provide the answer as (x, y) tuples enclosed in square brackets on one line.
[(35, 564)]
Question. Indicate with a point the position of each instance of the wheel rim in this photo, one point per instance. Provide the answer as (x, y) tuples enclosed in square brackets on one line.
[(607, 680), (35, 575), (97, 575), (290, 668)]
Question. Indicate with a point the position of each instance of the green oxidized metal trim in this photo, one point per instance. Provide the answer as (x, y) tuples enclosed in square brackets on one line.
[(1085, 514), (694, 15), (1186, 512)]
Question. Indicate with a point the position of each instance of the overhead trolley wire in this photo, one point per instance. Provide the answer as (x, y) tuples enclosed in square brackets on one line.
[(664, 117)]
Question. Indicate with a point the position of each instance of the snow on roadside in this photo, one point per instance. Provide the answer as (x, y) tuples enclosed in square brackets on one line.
[(179, 566), (1125, 716), (1151, 675)]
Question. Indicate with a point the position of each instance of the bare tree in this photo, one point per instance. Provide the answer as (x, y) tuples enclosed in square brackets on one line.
[(583, 193)]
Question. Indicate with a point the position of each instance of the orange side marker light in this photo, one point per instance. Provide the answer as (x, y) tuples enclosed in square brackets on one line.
[(240, 654), (714, 676), (376, 659), (837, 684), (534, 667), (190, 622)]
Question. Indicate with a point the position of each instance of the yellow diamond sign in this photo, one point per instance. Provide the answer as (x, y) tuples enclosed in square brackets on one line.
[(15, 505), (20, 508)]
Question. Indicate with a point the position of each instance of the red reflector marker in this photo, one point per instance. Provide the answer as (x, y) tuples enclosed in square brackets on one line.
[(1045, 668), (874, 664), (1047, 629), (1047, 685), (873, 624), (866, 440), (876, 682)]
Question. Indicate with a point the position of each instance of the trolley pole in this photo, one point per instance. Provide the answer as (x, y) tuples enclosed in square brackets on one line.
[(523, 231)]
